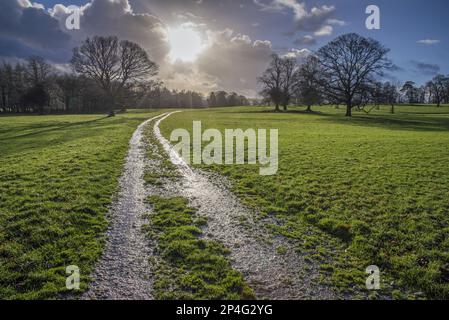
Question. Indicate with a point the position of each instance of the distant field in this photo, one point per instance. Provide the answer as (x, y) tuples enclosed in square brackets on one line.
[(58, 175), (353, 192)]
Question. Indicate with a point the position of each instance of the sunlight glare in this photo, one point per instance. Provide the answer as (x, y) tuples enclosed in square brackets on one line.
[(185, 44)]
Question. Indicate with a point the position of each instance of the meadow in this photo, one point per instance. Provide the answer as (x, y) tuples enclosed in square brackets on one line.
[(58, 176), (352, 192)]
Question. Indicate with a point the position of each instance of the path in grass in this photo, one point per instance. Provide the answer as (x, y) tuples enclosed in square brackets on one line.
[(269, 264), (123, 271)]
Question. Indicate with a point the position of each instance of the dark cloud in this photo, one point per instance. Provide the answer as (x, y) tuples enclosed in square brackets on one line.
[(423, 68), (26, 27), (106, 17), (230, 60)]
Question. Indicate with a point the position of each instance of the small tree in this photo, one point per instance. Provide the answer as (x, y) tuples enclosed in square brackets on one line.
[(390, 94), (349, 62), (112, 64), (410, 91)]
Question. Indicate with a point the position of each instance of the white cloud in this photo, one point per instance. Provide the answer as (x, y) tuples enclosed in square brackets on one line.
[(324, 31), (429, 42), (337, 22), (314, 20), (305, 40), (299, 54)]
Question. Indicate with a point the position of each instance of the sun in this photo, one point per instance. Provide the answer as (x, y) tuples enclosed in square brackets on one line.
[(185, 44)]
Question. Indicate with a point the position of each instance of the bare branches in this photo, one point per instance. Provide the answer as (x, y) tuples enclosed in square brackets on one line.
[(350, 62), (112, 64), (309, 83), (279, 80)]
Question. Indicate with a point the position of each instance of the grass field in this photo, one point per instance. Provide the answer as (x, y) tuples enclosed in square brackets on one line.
[(350, 192), (58, 174), (353, 192)]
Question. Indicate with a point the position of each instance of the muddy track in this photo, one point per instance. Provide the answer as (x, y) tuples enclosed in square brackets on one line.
[(253, 248), (123, 272)]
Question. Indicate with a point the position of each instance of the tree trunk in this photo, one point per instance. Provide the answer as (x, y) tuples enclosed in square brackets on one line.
[(111, 106), (277, 107), (349, 110), (285, 107), (3, 98), (392, 109), (67, 104), (309, 108)]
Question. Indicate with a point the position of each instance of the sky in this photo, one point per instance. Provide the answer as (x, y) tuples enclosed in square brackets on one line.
[(207, 45)]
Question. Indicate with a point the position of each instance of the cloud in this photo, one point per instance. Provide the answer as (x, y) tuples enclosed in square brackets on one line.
[(312, 21), (116, 17), (425, 68), (324, 31), (26, 25), (337, 22), (234, 60), (299, 54), (305, 40), (429, 42), (230, 61)]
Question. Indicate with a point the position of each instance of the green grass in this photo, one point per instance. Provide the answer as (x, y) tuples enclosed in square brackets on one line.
[(58, 175), (191, 268), (353, 192)]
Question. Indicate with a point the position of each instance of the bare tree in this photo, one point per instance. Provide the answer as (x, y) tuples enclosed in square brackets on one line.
[(37, 70), (289, 80), (390, 94), (438, 88), (349, 62), (112, 64), (272, 81), (309, 84)]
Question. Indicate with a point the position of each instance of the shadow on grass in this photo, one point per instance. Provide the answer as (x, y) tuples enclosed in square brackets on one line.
[(402, 120), (48, 128), (55, 136), (394, 122)]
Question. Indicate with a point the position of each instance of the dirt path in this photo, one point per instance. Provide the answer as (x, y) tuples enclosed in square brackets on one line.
[(123, 271), (253, 249)]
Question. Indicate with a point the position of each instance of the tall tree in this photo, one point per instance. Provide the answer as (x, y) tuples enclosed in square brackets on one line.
[(271, 81), (438, 88), (350, 61), (112, 64), (289, 80), (309, 84)]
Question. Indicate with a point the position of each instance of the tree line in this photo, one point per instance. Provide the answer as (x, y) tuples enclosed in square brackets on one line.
[(107, 75), (225, 99), (345, 72)]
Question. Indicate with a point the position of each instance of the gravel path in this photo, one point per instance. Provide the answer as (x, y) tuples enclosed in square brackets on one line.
[(253, 249), (123, 273)]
